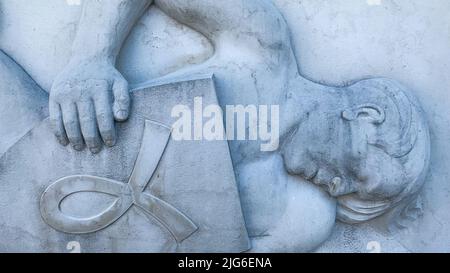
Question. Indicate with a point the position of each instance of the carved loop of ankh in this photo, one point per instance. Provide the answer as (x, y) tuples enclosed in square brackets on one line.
[(154, 142)]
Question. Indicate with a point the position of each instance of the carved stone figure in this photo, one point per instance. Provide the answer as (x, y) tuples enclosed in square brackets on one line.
[(354, 153), (148, 193)]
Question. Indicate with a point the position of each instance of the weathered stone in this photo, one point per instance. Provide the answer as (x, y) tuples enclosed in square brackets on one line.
[(359, 153), (183, 175)]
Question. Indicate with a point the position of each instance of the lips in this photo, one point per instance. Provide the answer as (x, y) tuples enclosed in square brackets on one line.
[(336, 186), (326, 180)]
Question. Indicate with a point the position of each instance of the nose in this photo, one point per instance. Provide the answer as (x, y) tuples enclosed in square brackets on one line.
[(301, 165), (323, 177)]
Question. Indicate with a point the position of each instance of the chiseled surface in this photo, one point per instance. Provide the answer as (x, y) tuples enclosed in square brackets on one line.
[(187, 178), (335, 43)]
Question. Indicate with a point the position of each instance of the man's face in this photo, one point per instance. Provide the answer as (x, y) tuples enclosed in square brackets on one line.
[(377, 176), (334, 154)]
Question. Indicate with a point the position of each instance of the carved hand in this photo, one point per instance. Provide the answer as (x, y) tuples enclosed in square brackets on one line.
[(90, 93), (85, 99)]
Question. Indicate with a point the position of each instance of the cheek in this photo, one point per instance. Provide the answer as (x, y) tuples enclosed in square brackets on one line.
[(300, 164), (384, 176), (297, 160)]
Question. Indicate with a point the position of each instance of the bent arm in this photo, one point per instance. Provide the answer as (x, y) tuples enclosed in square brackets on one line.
[(105, 24), (212, 16), (254, 28)]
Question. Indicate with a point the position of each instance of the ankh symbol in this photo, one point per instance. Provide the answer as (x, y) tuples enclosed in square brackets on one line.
[(154, 142)]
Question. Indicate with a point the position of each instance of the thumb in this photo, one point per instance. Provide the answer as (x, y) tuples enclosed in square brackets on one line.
[(121, 106)]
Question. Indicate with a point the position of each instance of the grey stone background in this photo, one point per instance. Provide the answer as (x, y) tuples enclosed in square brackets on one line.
[(336, 42)]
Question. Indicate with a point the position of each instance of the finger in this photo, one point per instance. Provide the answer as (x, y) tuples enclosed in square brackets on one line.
[(72, 126), (105, 119), (88, 125), (121, 106), (57, 124)]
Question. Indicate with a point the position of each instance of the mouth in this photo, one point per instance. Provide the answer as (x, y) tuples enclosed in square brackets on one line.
[(334, 186)]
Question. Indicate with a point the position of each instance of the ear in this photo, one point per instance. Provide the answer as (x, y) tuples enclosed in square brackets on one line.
[(370, 113), (360, 117)]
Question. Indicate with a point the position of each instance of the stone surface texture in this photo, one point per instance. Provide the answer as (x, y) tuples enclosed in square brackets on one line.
[(362, 164)]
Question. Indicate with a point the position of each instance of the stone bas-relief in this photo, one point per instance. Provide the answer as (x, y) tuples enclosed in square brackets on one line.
[(354, 154), (148, 193), (154, 142)]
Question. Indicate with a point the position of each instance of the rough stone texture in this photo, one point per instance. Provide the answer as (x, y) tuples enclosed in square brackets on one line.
[(335, 43), (187, 177)]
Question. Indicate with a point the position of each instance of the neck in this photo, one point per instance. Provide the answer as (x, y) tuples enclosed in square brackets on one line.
[(302, 98)]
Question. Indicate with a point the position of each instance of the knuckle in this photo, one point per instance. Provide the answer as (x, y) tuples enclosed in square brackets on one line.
[(97, 84), (124, 99), (71, 124), (58, 97), (88, 84), (102, 98), (102, 116), (122, 84), (86, 119)]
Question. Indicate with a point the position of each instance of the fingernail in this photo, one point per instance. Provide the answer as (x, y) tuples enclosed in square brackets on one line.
[(110, 143), (122, 114), (63, 142), (95, 150), (78, 147)]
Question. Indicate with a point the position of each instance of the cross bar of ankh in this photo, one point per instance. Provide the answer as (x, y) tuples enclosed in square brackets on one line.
[(154, 142)]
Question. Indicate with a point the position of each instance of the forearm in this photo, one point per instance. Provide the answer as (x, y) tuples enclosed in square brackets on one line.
[(104, 26), (80, 105)]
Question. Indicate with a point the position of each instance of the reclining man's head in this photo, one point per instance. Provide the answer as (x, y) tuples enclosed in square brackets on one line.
[(367, 145)]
